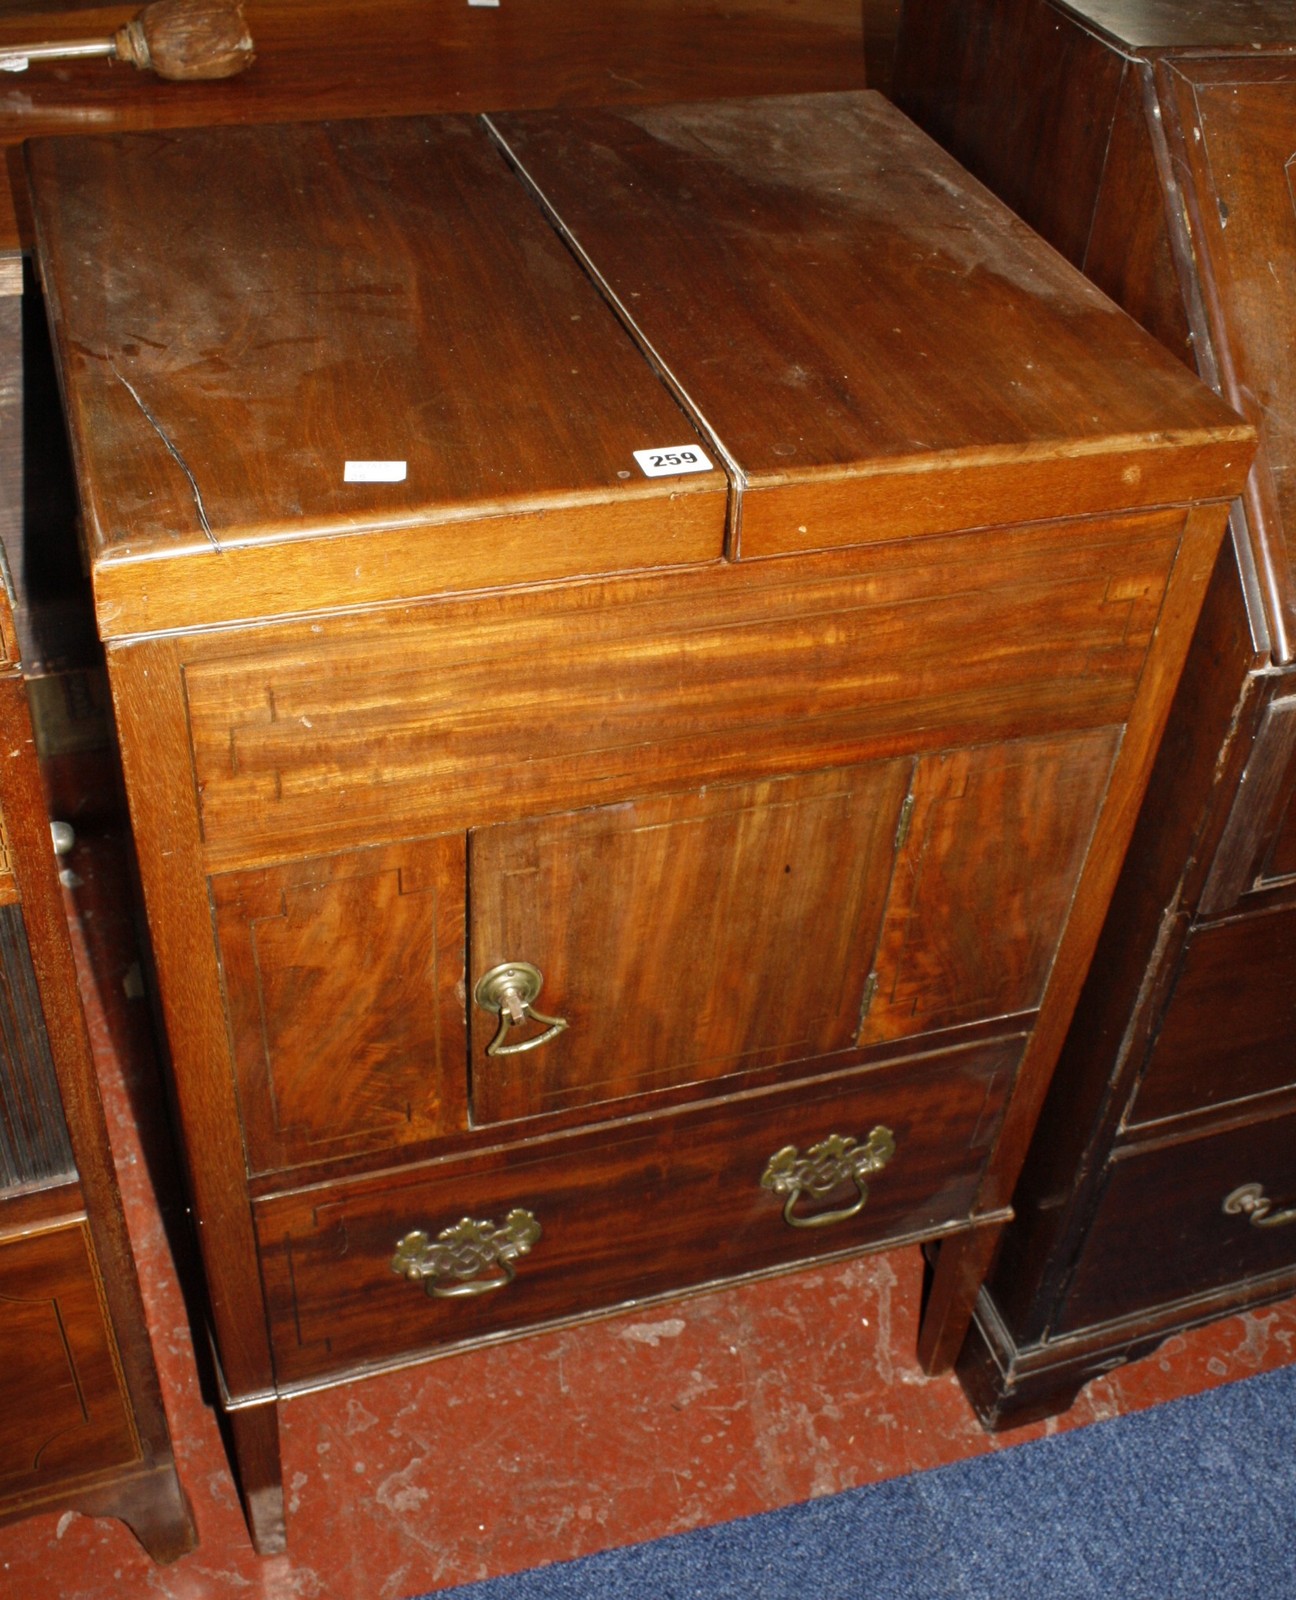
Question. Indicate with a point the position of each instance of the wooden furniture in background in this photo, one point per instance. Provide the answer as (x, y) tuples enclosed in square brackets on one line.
[(81, 1419), (648, 825), (1153, 143)]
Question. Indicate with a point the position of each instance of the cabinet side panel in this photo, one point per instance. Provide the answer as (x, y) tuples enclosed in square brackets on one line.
[(1129, 254), (1018, 93)]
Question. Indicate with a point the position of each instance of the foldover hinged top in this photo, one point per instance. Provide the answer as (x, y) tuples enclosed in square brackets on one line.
[(327, 365), (331, 365)]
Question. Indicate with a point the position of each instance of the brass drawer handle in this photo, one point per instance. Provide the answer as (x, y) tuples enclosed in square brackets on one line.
[(448, 1266), (1249, 1200), (835, 1160), (509, 990)]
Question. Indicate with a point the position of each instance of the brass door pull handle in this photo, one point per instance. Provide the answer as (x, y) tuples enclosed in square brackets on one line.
[(448, 1266), (835, 1160), (1249, 1200), (509, 990)]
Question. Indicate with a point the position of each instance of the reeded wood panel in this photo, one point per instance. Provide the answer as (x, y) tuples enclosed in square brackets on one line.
[(983, 883), (663, 681), (34, 1145), (652, 1205), (682, 937), (344, 987), (62, 1413)]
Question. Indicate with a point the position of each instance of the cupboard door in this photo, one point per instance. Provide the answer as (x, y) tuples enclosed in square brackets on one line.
[(681, 938), (343, 985), (992, 847)]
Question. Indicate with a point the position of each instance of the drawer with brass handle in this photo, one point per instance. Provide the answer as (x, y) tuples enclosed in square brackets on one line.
[(1213, 1209), (376, 1270)]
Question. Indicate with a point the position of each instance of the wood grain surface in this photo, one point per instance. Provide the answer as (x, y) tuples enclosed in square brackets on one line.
[(685, 937), (239, 317), (912, 358), (337, 732), (654, 1205), (1243, 210), (64, 1413), (355, 58)]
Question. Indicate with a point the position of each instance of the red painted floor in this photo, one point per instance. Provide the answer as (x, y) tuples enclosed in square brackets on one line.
[(556, 1445)]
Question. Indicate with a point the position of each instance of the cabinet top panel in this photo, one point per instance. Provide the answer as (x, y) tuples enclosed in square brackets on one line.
[(356, 360), (1153, 25), (341, 332), (865, 331)]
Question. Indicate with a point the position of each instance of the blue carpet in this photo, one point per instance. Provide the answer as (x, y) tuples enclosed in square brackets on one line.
[(1194, 1500)]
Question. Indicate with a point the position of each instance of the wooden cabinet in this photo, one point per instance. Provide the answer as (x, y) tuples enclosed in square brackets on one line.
[(652, 829), (81, 1419), (1171, 1108)]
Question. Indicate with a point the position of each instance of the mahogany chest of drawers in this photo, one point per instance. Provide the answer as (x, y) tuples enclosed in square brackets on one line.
[(637, 639), (1153, 143)]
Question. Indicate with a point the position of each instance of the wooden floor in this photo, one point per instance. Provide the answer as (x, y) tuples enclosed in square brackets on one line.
[(647, 1423)]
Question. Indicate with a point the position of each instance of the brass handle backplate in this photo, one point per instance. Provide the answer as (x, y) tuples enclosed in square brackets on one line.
[(449, 1266), (836, 1160), (510, 990), (1249, 1200)]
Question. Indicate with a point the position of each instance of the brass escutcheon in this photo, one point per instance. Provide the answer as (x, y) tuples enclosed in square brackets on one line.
[(448, 1266), (509, 990), (1249, 1200), (833, 1161)]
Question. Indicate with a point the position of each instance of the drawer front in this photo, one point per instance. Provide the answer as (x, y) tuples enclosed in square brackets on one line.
[(1257, 850), (1187, 1218), (1229, 1030), (650, 1206), (63, 1413)]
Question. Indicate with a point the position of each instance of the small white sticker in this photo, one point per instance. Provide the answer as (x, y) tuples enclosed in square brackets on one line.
[(374, 472), (674, 459), (483, 2)]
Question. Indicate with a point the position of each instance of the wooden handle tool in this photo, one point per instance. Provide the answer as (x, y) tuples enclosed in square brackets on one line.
[(177, 39)]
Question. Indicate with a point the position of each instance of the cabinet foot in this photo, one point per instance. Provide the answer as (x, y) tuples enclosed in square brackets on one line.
[(255, 1432), (959, 1267), (155, 1508), (1010, 1385)]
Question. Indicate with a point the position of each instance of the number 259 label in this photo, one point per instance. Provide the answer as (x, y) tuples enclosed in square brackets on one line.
[(669, 462)]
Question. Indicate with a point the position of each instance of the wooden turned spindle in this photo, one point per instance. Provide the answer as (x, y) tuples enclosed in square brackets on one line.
[(180, 40)]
